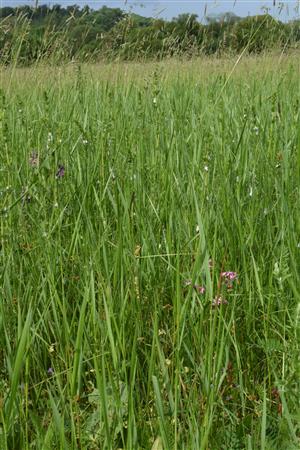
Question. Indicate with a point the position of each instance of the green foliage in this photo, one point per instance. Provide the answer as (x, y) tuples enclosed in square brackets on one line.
[(172, 174), (71, 32), (258, 33)]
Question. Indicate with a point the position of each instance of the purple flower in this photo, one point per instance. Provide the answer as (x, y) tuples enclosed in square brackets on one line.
[(61, 172), (229, 275), (50, 371), (219, 300)]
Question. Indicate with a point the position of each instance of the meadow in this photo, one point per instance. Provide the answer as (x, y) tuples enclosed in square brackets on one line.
[(150, 250)]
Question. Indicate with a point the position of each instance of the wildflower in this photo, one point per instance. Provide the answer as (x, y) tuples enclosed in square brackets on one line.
[(256, 130), (34, 159), (200, 289), (206, 168), (50, 137), (61, 172), (50, 371), (250, 191), (85, 142), (155, 101), (219, 300), (229, 275), (229, 278)]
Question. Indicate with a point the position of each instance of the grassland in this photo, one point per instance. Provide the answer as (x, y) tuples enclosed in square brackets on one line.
[(125, 190)]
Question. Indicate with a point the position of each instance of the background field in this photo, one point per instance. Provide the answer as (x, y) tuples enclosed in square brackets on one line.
[(122, 187)]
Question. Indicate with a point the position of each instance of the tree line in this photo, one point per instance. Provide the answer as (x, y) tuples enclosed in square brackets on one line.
[(30, 33)]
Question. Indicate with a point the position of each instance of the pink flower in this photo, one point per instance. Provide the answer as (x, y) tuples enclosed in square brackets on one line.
[(229, 275), (219, 300), (200, 289)]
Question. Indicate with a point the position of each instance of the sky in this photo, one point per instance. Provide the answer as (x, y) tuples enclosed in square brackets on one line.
[(167, 9)]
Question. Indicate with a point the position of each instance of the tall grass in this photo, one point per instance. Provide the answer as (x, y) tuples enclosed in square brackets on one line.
[(168, 180)]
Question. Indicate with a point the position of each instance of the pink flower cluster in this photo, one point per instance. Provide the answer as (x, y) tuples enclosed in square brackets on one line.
[(230, 276), (219, 300)]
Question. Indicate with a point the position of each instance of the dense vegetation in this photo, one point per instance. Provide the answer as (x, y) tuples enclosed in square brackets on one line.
[(83, 33), (149, 232), (150, 251)]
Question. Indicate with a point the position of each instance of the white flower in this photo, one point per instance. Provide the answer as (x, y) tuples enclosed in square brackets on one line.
[(197, 229), (206, 168), (256, 130), (154, 101), (250, 191)]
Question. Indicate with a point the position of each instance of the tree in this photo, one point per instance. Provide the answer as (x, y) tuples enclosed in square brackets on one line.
[(6, 11), (107, 18), (186, 19)]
